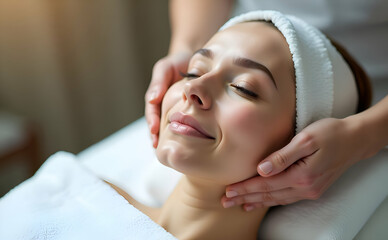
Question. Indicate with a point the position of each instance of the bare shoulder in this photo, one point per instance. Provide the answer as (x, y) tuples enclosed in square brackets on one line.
[(151, 212)]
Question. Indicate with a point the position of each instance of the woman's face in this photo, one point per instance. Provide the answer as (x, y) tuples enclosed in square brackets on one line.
[(235, 107)]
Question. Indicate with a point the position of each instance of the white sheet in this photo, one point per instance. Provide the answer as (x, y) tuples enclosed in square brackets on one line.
[(64, 200)]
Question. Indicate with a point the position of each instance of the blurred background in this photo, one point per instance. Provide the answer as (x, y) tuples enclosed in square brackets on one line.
[(71, 73)]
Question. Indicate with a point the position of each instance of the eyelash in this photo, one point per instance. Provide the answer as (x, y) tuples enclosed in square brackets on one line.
[(188, 75), (239, 88), (244, 91)]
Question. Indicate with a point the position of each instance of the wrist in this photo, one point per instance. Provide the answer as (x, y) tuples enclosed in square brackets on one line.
[(352, 129), (181, 46), (361, 134)]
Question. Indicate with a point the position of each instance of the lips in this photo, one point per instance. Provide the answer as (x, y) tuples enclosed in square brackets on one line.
[(185, 124)]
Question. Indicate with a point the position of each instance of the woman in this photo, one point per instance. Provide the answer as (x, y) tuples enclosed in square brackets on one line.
[(361, 25), (240, 91)]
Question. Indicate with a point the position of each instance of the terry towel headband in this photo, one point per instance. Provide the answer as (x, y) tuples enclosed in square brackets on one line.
[(325, 85)]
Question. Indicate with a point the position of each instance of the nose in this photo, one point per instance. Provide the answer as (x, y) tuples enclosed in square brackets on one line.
[(196, 92)]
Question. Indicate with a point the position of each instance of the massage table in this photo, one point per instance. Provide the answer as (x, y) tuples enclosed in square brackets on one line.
[(354, 207)]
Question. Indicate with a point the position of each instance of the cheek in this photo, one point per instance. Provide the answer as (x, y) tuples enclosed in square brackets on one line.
[(170, 100), (172, 97), (244, 141), (260, 129), (249, 134), (246, 127)]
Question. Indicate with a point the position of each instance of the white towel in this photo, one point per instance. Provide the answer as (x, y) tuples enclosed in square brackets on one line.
[(325, 85), (64, 200)]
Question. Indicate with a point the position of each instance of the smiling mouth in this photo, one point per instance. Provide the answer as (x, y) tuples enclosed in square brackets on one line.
[(187, 125)]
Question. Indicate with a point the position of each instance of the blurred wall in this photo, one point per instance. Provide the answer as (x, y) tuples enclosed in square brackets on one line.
[(79, 68)]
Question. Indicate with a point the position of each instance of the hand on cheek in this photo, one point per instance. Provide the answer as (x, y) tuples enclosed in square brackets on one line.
[(165, 72), (303, 169)]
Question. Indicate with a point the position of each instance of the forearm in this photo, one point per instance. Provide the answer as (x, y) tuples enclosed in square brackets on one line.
[(372, 128), (193, 22)]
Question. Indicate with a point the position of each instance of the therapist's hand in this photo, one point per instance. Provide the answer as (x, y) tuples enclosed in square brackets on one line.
[(303, 169), (165, 72)]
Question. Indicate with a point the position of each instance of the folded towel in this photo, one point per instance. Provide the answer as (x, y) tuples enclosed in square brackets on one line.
[(64, 200)]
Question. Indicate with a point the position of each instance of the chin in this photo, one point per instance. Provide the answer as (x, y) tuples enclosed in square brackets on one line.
[(176, 156)]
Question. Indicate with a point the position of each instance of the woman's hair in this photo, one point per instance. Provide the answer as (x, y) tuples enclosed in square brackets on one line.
[(362, 80)]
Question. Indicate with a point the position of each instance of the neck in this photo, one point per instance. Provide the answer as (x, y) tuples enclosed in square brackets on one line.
[(194, 211)]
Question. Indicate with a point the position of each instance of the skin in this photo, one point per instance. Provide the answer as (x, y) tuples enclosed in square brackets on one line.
[(233, 118), (236, 121), (309, 171)]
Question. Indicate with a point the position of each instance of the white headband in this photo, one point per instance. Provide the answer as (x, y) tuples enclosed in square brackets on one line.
[(325, 85)]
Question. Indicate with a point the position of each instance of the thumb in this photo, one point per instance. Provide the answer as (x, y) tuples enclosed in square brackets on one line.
[(301, 146)]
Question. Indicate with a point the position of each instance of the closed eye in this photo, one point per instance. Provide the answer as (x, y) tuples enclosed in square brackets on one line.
[(241, 89), (244, 91), (189, 75)]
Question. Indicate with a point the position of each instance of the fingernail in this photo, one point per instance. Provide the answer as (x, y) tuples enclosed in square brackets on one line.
[(228, 204), (152, 96), (249, 208), (153, 137), (266, 167), (231, 194)]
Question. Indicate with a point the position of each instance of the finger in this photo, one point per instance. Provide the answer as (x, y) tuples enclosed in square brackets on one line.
[(275, 196), (302, 145), (260, 184), (152, 113), (155, 139), (156, 92), (162, 78), (312, 186), (251, 206)]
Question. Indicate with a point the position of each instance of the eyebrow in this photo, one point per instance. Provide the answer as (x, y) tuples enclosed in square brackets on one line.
[(240, 61), (204, 52)]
